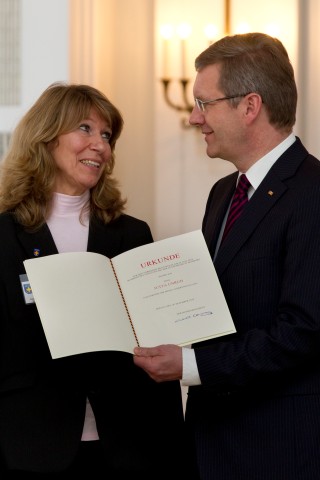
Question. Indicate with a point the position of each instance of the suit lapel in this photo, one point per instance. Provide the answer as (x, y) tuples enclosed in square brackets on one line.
[(265, 197), (269, 192), (105, 239), (37, 244)]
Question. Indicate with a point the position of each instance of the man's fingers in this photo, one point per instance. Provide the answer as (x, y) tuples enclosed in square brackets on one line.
[(145, 352)]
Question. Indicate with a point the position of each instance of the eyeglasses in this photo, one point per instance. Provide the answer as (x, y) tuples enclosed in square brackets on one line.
[(201, 104)]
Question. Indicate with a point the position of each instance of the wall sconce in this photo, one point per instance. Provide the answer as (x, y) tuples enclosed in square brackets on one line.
[(167, 32), (184, 31)]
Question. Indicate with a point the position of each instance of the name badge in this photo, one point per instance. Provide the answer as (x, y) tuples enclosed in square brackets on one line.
[(26, 289)]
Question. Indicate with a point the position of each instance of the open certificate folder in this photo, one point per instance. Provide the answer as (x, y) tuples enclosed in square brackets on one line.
[(162, 292)]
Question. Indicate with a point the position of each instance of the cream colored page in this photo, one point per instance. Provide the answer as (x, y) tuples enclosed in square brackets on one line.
[(79, 303), (172, 291)]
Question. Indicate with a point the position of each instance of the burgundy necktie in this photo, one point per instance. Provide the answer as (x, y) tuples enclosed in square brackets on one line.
[(239, 200)]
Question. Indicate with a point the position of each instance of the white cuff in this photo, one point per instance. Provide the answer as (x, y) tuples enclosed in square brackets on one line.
[(190, 374)]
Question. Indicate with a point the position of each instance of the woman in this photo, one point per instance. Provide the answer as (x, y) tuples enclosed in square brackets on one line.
[(94, 413)]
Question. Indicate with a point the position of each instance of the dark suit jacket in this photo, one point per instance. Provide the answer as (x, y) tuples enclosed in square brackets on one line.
[(256, 414), (42, 401)]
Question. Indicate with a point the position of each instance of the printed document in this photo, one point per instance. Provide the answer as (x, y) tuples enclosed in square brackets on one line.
[(163, 292)]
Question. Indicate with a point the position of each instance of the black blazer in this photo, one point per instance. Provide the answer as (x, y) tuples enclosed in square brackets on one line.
[(256, 414), (42, 401)]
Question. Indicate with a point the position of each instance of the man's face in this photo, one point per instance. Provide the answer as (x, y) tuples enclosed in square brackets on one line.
[(220, 121)]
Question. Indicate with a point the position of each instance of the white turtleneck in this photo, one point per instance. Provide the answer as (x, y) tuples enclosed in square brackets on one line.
[(70, 235)]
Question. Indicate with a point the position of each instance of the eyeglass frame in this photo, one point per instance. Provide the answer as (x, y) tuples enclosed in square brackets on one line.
[(200, 103)]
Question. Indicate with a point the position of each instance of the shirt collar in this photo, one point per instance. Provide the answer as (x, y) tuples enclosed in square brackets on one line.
[(259, 170)]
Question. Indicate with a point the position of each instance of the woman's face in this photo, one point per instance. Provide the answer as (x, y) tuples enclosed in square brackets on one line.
[(81, 155)]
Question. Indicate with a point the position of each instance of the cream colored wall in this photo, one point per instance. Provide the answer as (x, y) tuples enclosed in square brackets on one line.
[(184, 173), (163, 169), (308, 72), (44, 53), (115, 45), (120, 61)]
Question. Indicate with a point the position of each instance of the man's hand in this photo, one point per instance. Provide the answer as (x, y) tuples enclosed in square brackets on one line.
[(162, 363)]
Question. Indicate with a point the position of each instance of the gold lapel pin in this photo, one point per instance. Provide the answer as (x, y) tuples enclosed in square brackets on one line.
[(270, 193)]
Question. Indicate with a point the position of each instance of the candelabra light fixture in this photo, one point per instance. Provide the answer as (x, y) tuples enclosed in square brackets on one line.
[(184, 32)]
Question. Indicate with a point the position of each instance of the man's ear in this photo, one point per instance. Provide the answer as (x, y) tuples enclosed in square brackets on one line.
[(252, 106)]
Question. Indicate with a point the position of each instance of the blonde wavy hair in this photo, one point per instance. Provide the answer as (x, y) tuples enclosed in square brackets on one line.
[(27, 172)]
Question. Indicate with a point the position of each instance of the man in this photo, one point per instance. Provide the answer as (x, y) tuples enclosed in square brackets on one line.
[(254, 396)]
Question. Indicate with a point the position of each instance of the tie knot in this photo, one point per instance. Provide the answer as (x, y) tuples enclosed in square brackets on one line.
[(243, 184)]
